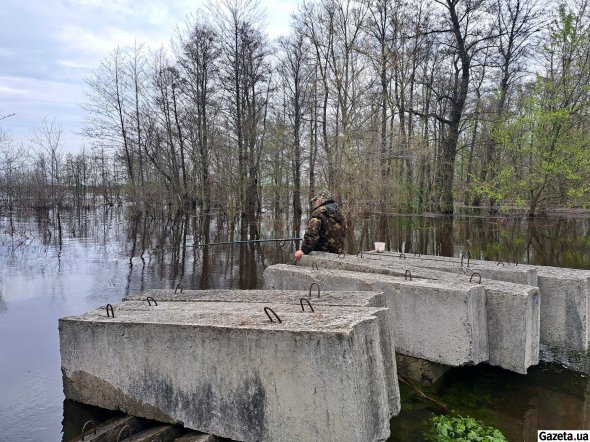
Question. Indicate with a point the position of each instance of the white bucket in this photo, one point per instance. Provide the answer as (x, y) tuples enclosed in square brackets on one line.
[(380, 247)]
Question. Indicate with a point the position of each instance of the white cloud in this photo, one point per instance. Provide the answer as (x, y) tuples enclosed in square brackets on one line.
[(47, 48), (75, 64), (6, 91)]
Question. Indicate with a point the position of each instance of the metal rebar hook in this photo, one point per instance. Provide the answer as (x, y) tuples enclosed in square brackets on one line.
[(315, 266), (268, 309), (112, 311), (91, 422), (513, 259), (317, 286), (302, 300), (402, 255), (177, 286), (343, 255), (473, 274), (360, 252), (408, 273), (128, 428), (148, 301), (500, 263)]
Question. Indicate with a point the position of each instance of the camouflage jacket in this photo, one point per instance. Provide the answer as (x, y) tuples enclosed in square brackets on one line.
[(326, 230)]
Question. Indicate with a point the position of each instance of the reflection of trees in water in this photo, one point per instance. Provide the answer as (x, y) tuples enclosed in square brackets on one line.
[(3, 306), (177, 251), (162, 252), (551, 241)]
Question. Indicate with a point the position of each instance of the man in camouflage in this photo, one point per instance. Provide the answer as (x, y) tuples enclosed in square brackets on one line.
[(326, 228)]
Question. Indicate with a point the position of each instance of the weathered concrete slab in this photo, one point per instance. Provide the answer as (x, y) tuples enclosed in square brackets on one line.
[(513, 310), (326, 297), (565, 316), (109, 430), (316, 297), (225, 369), (565, 305), (159, 433), (420, 370), (196, 437), (508, 273), (431, 320)]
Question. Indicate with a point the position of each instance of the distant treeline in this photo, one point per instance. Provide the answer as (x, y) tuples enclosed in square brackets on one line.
[(392, 105)]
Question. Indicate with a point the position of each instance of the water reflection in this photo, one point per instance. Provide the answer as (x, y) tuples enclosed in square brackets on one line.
[(560, 242), (50, 269), (2, 302)]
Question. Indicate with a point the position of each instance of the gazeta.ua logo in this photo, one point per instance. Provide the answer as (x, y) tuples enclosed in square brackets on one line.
[(577, 435)]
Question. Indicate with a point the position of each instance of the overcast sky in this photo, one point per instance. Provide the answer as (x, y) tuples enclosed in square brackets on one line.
[(48, 47)]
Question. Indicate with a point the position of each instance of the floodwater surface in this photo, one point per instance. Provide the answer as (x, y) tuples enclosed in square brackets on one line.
[(101, 256)]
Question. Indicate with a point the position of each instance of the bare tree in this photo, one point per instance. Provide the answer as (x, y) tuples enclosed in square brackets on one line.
[(198, 60), (246, 75), (295, 75)]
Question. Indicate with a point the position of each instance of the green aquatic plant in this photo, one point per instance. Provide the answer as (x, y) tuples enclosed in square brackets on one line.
[(467, 429)]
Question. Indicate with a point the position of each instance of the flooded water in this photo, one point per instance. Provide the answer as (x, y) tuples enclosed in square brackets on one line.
[(101, 256)]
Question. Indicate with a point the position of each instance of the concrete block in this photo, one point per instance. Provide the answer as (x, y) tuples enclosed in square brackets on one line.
[(159, 433), (513, 310), (420, 370), (196, 437), (225, 369), (316, 297), (433, 320), (565, 304), (109, 431), (525, 275), (324, 297), (565, 315)]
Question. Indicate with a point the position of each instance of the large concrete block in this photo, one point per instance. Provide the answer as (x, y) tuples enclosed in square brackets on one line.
[(565, 305), (525, 275), (323, 297), (433, 320), (565, 315), (316, 297), (513, 310), (225, 369)]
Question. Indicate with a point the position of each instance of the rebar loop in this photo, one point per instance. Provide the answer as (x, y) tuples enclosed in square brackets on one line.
[(513, 259), (129, 429), (177, 286), (343, 255), (473, 274), (402, 255), (268, 309), (315, 266), (360, 252), (408, 273), (317, 286), (500, 263), (308, 303), (91, 422), (149, 302), (112, 311)]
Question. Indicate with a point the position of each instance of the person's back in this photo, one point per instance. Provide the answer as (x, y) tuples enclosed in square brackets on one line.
[(326, 228)]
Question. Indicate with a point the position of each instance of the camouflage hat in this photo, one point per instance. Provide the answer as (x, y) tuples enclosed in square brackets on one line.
[(324, 195)]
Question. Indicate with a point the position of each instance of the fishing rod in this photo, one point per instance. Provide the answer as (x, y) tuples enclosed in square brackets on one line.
[(248, 241), (282, 242)]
